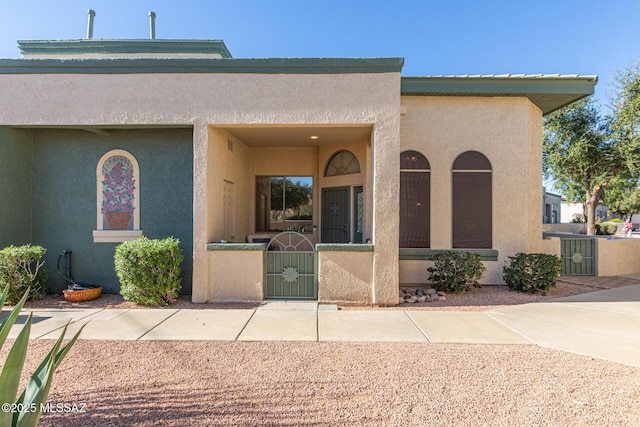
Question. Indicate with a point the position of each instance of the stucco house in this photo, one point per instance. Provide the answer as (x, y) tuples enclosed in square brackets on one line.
[(189, 142)]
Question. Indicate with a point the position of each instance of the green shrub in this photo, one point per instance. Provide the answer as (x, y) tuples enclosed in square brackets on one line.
[(26, 410), (455, 271), (606, 228), (532, 273), (149, 270), (616, 220), (21, 269)]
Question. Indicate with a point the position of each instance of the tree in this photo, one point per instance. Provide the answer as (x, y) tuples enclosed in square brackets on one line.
[(583, 150), (578, 150), (623, 197)]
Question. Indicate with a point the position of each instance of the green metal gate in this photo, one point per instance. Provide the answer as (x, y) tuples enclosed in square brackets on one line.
[(290, 268), (578, 256)]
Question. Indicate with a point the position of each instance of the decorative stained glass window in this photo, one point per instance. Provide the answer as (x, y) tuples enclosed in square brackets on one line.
[(342, 163), (118, 197)]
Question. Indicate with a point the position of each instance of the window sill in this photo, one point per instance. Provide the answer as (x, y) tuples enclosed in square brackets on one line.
[(115, 236), (427, 254)]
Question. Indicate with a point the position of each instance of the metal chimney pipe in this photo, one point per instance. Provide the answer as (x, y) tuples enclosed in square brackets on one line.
[(152, 25), (92, 15)]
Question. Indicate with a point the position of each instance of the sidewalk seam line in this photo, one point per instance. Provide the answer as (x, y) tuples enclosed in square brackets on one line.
[(509, 327), (69, 322), (246, 324), (159, 323), (417, 326)]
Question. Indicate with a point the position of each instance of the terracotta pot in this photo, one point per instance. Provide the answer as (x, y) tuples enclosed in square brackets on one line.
[(118, 220)]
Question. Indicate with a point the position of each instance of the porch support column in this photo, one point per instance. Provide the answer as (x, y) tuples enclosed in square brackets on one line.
[(386, 222), (200, 289)]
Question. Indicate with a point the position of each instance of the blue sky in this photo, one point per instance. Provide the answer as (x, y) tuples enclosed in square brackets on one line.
[(434, 37)]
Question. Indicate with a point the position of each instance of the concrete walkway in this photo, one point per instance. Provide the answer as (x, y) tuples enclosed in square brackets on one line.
[(603, 324)]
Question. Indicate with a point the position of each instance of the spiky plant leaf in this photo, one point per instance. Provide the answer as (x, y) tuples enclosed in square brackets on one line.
[(10, 376), (7, 323), (39, 384)]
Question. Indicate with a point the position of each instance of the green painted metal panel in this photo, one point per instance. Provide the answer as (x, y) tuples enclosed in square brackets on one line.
[(290, 273), (578, 256)]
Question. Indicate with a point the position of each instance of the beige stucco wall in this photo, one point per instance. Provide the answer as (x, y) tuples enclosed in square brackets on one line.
[(617, 257), (235, 275), (207, 101), (228, 165), (508, 131), (345, 277)]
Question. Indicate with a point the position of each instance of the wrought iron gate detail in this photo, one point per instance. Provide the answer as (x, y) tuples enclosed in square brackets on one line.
[(290, 270), (578, 256)]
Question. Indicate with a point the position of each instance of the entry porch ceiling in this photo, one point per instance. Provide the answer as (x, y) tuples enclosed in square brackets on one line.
[(298, 136)]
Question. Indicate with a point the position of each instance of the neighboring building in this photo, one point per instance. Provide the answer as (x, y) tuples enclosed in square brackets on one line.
[(202, 146), (575, 210), (551, 207)]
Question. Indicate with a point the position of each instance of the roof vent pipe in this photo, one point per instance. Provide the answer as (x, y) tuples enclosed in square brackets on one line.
[(152, 25), (92, 15)]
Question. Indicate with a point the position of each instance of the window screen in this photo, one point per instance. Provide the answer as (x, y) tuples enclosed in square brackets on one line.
[(472, 201), (415, 194)]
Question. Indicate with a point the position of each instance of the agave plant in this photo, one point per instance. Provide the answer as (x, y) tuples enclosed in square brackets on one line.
[(35, 393)]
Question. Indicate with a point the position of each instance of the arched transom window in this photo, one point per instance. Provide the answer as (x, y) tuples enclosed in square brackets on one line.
[(472, 201), (342, 163), (415, 193)]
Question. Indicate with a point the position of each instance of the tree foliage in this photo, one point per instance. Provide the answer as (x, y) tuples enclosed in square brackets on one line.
[(585, 153), (286, 194)]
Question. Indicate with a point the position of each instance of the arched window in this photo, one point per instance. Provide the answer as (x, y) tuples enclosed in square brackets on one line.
[(472, 201), (342, 163), (118, 197), (415, 194)]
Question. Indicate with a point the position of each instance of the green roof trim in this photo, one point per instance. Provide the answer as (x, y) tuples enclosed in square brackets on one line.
[(198, 65), (112, 46), (549, 92)]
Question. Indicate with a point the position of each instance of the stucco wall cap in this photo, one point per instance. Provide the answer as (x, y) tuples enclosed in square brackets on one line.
[(202, 65), (115, 47)]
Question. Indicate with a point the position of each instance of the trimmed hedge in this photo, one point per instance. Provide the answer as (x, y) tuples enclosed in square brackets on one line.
[(149, 270), (455, 272), (606, 228), (532, 273), (21, 269)]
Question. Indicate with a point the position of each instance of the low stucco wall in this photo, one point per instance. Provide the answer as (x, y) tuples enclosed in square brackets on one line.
[(345, 273), (415, 271), (617, 257), (236, 273), (576, 228)]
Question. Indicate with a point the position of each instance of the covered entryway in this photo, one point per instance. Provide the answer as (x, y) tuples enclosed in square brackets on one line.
[(290, 270)]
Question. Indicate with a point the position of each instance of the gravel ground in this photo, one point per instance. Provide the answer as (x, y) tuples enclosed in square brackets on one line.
[(295, 383), (266, 383)]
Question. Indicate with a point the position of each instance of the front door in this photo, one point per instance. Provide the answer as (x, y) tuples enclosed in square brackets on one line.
[(335, 215)]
